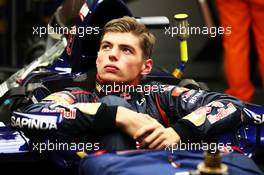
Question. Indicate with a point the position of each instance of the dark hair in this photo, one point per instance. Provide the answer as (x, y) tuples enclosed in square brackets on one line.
[(130, 24)]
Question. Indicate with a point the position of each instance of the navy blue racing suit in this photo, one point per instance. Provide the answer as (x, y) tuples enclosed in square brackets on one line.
[(193, 114)]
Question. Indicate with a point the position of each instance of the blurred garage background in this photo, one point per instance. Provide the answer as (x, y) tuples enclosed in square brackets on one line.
[(18, 46)]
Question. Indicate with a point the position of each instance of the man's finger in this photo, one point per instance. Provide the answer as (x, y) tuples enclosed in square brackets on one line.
[(151, 138), (156, 142), (162, 145), (145, 129)]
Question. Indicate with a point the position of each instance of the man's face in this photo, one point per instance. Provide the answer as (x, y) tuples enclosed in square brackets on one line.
[(120, 58)]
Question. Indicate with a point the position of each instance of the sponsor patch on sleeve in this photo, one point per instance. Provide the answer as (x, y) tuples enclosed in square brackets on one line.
[(68, 114), (187, 95), (216, 104), (221, 113), (198, 116), (195, 97), (177, 91)]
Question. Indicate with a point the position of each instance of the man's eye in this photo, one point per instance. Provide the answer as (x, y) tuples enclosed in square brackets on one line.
[(105, 47), (127, 51)]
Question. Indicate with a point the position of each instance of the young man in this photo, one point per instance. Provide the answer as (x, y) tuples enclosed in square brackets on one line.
[(156, 116)]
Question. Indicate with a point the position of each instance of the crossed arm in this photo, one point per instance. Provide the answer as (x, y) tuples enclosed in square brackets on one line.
[(215, 113), (145, 129), (100, 117)]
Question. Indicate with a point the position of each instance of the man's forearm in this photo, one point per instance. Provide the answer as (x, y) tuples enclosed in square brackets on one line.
[(74, 120), (124, 117), (130, 121)]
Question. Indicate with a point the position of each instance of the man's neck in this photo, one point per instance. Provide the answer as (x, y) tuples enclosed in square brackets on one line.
[(108, 88)]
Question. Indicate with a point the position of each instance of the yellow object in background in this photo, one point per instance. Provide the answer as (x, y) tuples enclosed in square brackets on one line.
[(81, 154), (181, 16), (182, 23), (183, 51), (177, 73)]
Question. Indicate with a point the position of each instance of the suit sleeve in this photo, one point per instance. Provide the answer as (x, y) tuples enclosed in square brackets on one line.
[(73, 120), (198, 114)]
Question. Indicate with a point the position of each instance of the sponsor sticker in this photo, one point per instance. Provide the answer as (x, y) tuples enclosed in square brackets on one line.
[(70, 114), (34, 121), (84, 11), (196, 96), (216, 104), (221, 113), (257, 118), (177, 91), (187, 95)]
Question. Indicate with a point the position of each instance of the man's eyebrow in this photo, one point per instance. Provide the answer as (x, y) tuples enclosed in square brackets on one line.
[(128, 46), (105, 42), (120, 45)]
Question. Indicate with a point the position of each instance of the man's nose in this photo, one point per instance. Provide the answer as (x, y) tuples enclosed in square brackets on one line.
[(114, 54)]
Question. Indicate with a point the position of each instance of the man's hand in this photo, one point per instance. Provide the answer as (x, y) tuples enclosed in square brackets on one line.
[(130, 121), (147, 130), (155, 136)]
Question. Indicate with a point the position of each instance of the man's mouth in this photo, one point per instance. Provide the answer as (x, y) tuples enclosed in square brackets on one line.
[(111, 68)]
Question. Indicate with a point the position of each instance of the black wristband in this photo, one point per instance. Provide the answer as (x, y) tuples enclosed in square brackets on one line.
[(187, 131), (105, 118)]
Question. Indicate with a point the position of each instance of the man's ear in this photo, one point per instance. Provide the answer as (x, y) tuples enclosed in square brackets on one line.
[(147, 66)]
